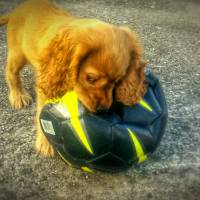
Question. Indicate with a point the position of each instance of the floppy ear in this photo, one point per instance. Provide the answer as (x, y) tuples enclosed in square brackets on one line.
[(59, 64), (132, 87)]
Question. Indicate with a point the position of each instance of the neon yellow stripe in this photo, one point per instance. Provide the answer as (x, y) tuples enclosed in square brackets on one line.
[(86, 169), (64, 159), (71, 102), (138, 147), (145, 104)]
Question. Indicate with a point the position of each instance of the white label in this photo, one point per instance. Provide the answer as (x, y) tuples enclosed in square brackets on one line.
[(48, 127)]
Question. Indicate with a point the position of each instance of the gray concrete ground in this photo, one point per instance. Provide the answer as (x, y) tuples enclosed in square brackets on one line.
[(170, 31)]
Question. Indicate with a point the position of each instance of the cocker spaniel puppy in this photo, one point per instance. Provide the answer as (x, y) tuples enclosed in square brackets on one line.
[(89, 56)]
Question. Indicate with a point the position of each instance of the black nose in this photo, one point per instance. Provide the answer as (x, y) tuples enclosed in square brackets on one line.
[(102, 109)]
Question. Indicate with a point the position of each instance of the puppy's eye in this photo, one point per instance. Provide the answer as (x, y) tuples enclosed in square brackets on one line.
[(91, 79)]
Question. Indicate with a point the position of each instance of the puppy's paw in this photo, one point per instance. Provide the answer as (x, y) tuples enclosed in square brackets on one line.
[(19, 100), (43, 146)]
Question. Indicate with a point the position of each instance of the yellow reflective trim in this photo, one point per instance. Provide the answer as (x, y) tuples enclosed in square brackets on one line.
[(138, 147), (145, 104), (86, 169), (70, 100), (64, 159)]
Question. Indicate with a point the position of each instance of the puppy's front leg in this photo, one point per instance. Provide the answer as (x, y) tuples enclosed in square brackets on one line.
[(42, 144), (18, 96)]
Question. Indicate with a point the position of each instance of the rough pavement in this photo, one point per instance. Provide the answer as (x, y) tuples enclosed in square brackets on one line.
[(170, 32)]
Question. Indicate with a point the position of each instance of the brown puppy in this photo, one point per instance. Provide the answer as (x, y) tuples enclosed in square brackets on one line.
[(68, 53)]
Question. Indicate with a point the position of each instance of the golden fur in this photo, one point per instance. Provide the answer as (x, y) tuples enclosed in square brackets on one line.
[(89, 56)]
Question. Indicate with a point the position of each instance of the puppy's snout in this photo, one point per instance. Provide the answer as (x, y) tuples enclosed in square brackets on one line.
[(101, 108), (104, 104)]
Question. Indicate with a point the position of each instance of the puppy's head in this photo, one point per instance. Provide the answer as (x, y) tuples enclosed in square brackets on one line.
[(96, 80), (94, 59), (112, 62)]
